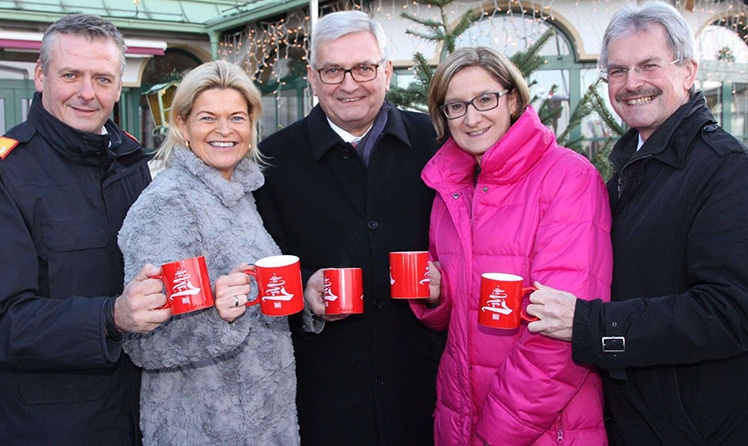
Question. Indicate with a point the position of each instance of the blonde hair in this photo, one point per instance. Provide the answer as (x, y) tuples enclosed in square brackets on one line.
[(217, 74)]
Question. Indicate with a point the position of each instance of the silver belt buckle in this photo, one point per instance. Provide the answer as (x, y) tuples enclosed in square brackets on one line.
[(614, 344)]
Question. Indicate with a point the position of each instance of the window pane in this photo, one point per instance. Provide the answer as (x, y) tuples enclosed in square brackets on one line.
[(545, 82), (512, 33), (740, 111), (2, 117), (718, 43), (713, 94), (279, 110)]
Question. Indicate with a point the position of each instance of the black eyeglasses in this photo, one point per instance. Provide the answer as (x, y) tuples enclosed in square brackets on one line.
[(359, 73), (484, 102)]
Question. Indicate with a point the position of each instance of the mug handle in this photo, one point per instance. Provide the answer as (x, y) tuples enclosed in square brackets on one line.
[(161, 278), (253, 273), (522, 313)]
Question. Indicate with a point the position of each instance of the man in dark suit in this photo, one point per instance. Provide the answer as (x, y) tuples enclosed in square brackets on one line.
[(343, 190)]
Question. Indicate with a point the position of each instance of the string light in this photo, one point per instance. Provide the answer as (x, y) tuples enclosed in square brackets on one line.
[(271, 51)]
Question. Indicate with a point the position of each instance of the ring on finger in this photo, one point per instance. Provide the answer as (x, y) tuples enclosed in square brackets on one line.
[(236, 300)]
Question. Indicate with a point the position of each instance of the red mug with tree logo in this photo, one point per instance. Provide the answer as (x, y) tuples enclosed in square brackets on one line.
[(279, 282), (501, 297), (187, 285)]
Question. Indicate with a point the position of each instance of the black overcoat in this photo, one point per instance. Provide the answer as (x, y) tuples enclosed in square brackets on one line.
[(680, 288), (368, 379)]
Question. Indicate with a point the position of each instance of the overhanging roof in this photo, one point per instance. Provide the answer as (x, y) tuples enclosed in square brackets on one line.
[(184, 16), (24, 41)]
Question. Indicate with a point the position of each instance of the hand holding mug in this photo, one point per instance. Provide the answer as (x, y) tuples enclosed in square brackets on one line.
[(435, 283), (231, 293), (314, 293), (187, 285), (140, 307), (556, 312), (314, 296)]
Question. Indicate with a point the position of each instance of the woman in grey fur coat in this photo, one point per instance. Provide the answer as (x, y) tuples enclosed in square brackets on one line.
[(224, 375)]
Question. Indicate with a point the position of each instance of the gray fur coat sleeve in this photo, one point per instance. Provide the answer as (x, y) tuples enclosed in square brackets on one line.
[(190, 210)]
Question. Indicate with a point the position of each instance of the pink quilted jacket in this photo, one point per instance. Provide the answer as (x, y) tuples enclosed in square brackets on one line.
[(539, 211)]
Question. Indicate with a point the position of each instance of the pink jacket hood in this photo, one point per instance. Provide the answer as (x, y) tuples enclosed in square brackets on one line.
[(539, 211)]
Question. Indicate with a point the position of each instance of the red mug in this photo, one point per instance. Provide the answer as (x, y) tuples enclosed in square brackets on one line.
[(279, 282), (187, 285), (344, 291), (501, 297), (409, 275)]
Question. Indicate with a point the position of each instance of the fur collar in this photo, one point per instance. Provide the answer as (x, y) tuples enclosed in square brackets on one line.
[(246, 179)]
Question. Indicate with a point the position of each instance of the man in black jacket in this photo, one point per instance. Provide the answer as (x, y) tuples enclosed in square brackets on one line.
[(68, 175), (343, 190), (673, 342)]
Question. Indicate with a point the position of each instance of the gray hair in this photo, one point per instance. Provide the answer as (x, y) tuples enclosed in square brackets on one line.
[(500, 67), (632, 18), (91, 27), (338, 24), (217, 74)]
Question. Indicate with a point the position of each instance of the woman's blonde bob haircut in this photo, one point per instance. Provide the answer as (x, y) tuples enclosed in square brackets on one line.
[(501, 68), (220, 75)]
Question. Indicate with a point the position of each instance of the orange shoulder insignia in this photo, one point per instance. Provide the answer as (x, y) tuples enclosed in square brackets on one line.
[(6, 145), (130, 136)]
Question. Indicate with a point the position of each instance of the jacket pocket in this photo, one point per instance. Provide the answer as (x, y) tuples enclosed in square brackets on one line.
[(79, 259), (695, 384), (66, 235)]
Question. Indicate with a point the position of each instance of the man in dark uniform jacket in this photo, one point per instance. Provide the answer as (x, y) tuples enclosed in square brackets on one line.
[(343, 190), (673, 341), (68, 175)]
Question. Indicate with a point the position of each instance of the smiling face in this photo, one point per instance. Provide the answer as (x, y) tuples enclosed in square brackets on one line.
[(218, 129), (478, 131), (351, 105), (82, 82), (645, 102)]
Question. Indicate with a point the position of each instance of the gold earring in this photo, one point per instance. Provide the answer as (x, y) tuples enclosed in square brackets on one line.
[(187, 143)]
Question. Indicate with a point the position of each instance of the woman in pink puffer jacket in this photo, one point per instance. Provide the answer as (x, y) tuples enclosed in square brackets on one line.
[(509, 199)]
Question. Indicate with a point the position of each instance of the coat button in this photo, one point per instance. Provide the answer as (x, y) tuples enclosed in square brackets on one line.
[(485, 188), (347, 154), (378, 304), (372, 225), (455, 195), (710, 128), (379, 381)]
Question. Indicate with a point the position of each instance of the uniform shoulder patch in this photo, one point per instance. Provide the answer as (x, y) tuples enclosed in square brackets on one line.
[(6, 145), (131, 136)]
